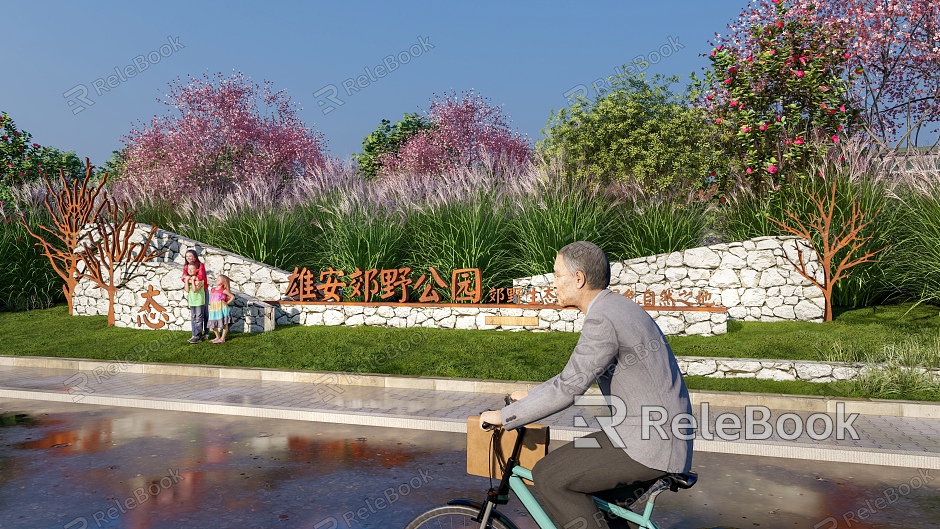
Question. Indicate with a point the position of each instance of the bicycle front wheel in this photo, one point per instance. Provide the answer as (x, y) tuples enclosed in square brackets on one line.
[(452, 517)]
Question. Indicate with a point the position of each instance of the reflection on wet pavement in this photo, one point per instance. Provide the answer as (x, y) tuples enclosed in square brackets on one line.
[(78, 466)]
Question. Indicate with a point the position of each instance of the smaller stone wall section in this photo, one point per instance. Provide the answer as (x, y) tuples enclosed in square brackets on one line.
[(752, 279), (803, 370), (253, 278), (248, 312), (676, 323)]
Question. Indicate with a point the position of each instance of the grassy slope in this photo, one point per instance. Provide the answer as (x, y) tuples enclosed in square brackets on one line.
[(456, 353)]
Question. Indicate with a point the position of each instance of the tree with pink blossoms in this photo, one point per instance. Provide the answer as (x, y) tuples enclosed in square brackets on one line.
[(780, 86), (894, 47), (225, 132), (466, 132)]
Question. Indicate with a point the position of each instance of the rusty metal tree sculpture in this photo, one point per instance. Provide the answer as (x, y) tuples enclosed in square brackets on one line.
[(111, 247), (848, 241), (71, 209)]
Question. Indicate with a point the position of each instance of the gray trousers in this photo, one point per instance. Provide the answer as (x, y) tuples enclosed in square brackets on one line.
[(199, 317), (566, 476)]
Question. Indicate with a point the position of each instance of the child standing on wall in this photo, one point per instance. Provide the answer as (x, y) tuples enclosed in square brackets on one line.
[(220, 315), (196, 298)]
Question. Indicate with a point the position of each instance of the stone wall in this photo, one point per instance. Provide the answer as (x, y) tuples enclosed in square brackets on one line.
[(752, 279), (474, 317), (253, 278), (162, 281), (803, 370)]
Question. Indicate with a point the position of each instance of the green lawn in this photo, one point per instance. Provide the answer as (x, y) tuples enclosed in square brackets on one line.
[(859, 334)]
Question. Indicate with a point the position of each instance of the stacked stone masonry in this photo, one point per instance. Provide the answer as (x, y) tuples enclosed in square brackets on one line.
[(474, 317), (802, 370), (249, 313), (753, 279)]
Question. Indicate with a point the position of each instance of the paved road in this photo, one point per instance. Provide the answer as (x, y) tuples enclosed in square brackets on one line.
[(881, 440), (126, 468)]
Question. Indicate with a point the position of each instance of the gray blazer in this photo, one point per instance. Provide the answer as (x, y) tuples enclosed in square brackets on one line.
[(625, 351)]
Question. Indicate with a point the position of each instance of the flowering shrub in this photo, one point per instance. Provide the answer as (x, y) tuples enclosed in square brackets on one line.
[(780, 86), (22, 161), (894, 50), (219, 139), (465, 132)]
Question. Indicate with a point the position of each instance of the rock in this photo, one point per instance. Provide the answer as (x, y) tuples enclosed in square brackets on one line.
[(702, 257), (753, 297), (730, 261), (701, 367), (703, 328), (374, 321), (811, 371), (676, 274), (806, 310), (761, 259), (749, 278), (740, 366), (549, 315), (333, 317), (771, 278), (466, 322), (670, 325), (774, 374), (725, 279)]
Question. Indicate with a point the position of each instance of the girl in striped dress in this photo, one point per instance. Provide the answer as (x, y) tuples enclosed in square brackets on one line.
[(220, 315)]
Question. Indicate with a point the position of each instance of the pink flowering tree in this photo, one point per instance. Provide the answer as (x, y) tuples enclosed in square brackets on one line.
[(780, 86), (894, 48), (221, 132), (465, 132)]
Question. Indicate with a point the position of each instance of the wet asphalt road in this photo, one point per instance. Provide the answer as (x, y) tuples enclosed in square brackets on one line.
[(78, 466)]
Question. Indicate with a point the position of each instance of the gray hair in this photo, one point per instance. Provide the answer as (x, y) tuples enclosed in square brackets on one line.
[(587, 257)]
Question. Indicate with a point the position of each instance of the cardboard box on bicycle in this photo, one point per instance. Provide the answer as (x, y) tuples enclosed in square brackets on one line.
[(480, 462)]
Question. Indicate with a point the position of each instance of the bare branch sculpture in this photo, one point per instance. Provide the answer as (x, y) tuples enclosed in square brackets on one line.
[(71, 209), (111, 247), (849, 238)]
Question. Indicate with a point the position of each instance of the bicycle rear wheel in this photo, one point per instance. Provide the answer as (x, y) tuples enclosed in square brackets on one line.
[(452, 517)]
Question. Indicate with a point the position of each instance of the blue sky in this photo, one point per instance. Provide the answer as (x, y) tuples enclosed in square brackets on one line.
[(525, 56)]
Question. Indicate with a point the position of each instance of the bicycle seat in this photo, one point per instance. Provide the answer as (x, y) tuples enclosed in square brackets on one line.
[(627, 494), (681, 480)]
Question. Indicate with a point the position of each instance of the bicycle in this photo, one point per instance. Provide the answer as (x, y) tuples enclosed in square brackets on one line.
[(469, 513)]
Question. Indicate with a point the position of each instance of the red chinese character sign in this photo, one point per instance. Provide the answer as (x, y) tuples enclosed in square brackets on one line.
[(396, 285), (152, 314)]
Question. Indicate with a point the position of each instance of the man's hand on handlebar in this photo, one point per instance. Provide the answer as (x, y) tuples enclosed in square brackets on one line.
[(490, 420)]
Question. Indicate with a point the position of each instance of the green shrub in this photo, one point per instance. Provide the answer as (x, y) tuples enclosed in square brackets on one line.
[(457, 234), (554, 217), (27, 280), (653, 228)]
